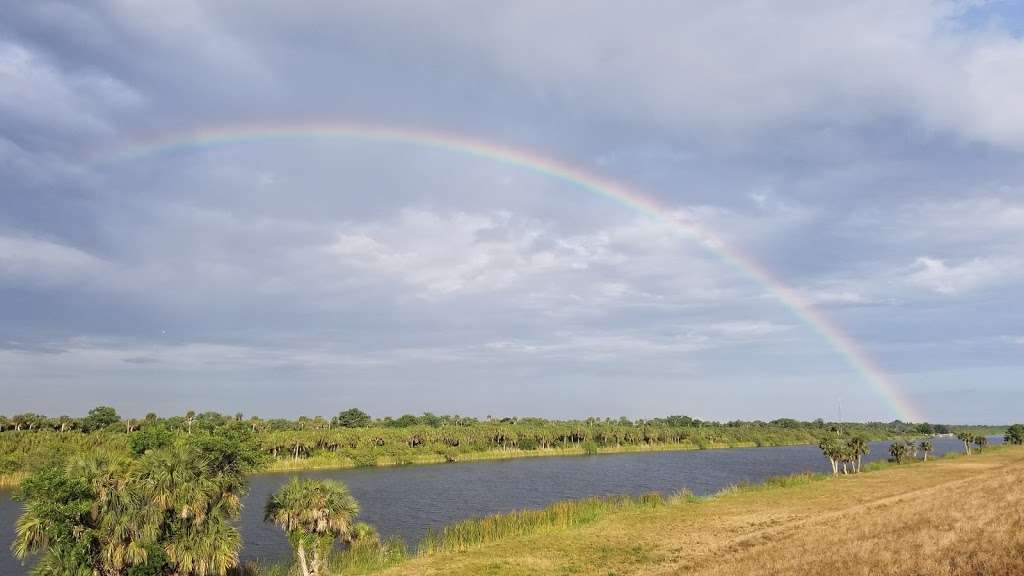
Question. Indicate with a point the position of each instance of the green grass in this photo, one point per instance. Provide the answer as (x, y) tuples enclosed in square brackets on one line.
[(370, 557), (566, 514)]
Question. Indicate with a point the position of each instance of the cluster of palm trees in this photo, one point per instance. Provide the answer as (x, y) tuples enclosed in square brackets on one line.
[(969, 439), (907, 450), (846, 455), (171, 511)]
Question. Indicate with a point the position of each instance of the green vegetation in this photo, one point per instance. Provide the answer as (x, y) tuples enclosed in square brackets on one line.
[(169, 511), (1014, 434), (477, 531), (30, 442), (847, 454), (314, 514)]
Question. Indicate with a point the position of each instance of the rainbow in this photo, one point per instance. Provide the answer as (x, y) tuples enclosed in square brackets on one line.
[(581, 179)]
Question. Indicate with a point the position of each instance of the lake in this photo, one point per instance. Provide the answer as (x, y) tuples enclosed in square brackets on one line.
[(406, 501)]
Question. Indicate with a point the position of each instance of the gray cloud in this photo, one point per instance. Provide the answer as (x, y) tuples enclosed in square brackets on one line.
[(866, 155)]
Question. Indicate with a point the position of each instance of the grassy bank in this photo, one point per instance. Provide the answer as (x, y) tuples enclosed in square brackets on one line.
[(329, 461), (336, 461), (959, 515)]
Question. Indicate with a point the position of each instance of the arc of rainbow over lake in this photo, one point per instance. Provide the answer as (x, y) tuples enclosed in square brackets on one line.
[(803, 309)]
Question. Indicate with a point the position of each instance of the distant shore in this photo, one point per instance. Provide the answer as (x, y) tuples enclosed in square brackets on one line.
[(344, 463)]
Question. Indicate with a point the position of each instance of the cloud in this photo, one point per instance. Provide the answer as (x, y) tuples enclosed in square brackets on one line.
[(934, 274), (866, 155), (459, 253), (827, 63), (36, 93), (39, 262)]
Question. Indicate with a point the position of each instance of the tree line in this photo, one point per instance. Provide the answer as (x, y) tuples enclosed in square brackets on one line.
[(102, 418), (353, 438)]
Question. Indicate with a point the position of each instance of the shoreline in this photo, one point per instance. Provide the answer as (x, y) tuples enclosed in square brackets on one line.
[(311, 464), (11, 481), (659, 538)]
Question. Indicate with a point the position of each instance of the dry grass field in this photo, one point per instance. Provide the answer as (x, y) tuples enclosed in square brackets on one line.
[(961, 516)]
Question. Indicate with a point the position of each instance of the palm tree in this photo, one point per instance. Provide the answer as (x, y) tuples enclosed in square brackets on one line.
[(314, 513), (898, 451), (66, 423), (981, 442), (833, 450), (926, 448), (967, 438), (859, 448)]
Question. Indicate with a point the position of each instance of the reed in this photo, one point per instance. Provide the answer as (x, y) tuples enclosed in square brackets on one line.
[(11, 480), (478, 531), (369, 557)]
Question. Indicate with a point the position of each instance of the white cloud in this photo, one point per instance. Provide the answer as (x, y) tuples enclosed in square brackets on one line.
[(459, 253), (936, 275), (40, 262)]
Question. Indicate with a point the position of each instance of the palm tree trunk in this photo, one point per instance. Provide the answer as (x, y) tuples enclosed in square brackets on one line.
[(318, 562), (301, 553)]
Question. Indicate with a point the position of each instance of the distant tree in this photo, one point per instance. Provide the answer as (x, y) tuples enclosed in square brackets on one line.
[(190, 418), (925, 428), (981, 442), (149, 438), (832, 449), (404, 421), (1014, 434), (65, 423), (99, 418), (314, 514), (926, 448), (899, 452), (859, 448), (911, 449), (430, 419), (352, 418), (967, 438), (209, 421)]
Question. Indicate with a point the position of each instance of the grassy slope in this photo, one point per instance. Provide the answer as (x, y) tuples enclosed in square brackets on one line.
[(950, 516), (334, 462)]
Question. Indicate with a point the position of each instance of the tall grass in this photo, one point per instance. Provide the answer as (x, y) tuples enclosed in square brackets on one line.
[(478, 531), (369, 557), (11, 480)]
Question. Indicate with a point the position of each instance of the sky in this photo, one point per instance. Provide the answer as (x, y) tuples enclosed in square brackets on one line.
[(867, 157)]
